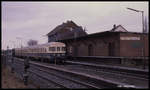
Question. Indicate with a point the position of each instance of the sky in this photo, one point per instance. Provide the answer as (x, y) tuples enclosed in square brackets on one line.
[(22, 21)]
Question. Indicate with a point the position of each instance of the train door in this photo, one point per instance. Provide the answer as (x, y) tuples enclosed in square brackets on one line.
[(111, 49), (90, 50)]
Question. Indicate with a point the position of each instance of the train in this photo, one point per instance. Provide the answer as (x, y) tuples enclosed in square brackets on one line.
[(52, 51)]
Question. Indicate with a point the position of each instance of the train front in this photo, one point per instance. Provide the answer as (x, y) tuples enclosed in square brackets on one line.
[(57, 52)]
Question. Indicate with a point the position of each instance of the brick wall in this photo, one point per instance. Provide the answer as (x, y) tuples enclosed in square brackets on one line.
[(133, 47), (101, 45)]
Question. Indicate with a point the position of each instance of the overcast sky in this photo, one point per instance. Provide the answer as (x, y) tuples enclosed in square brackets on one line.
[(33, 20)]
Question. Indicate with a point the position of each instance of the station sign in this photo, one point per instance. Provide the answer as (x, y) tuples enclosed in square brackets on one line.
[(129, 38)]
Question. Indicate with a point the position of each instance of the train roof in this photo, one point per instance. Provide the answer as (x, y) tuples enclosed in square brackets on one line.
[(44, 45)]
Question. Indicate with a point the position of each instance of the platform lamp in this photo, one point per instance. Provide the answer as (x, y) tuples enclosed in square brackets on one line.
[(13, 42), (142, 12)]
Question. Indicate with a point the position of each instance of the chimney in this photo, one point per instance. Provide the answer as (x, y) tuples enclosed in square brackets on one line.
[(114, 26), (68, 21)]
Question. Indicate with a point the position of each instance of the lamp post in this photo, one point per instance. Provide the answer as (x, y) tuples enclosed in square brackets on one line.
[(142, 16), (143, 50), (19, 38)]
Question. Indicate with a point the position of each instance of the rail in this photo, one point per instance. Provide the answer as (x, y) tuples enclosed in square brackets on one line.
[(78, 78)]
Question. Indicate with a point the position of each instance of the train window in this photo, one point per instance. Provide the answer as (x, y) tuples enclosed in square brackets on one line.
[(63, 48), (52, 48), (58, 48), (37, 50), (41, 50)]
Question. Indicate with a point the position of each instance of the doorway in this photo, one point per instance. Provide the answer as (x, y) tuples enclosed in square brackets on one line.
[(90, 50), (111, 49)]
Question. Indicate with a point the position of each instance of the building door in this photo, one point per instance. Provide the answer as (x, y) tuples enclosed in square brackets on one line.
[(90, 50), (111, 48), (75, 51)]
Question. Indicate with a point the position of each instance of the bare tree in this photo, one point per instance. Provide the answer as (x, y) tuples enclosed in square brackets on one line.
[(32, 42)]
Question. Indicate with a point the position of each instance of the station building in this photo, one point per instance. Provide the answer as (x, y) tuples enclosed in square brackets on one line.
[(66, 30), (115, 42)]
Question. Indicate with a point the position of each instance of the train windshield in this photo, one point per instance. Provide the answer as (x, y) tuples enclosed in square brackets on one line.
[(63, 48), (52, 48)]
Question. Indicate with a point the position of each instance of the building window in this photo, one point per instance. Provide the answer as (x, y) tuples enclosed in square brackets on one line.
[(70, 49), (90, 50), (111, 47)]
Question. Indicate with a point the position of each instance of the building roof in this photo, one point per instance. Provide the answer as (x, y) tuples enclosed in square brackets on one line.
[(43, 45), (105, 33), (118, 28), (62, 26)]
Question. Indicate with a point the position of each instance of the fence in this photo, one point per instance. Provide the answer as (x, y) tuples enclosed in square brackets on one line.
[(20, 69)]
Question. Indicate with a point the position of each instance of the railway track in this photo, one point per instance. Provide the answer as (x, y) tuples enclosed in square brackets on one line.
[(79, 77), (130, 80), (62, 80), (90, 81), (137, 82), (39, 79), (141, 74)]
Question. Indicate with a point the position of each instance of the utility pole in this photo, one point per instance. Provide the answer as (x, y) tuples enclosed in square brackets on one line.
[(142, 37)]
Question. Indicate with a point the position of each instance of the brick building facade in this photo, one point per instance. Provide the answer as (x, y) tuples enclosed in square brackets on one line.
[(109, 43), (115, 42)]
